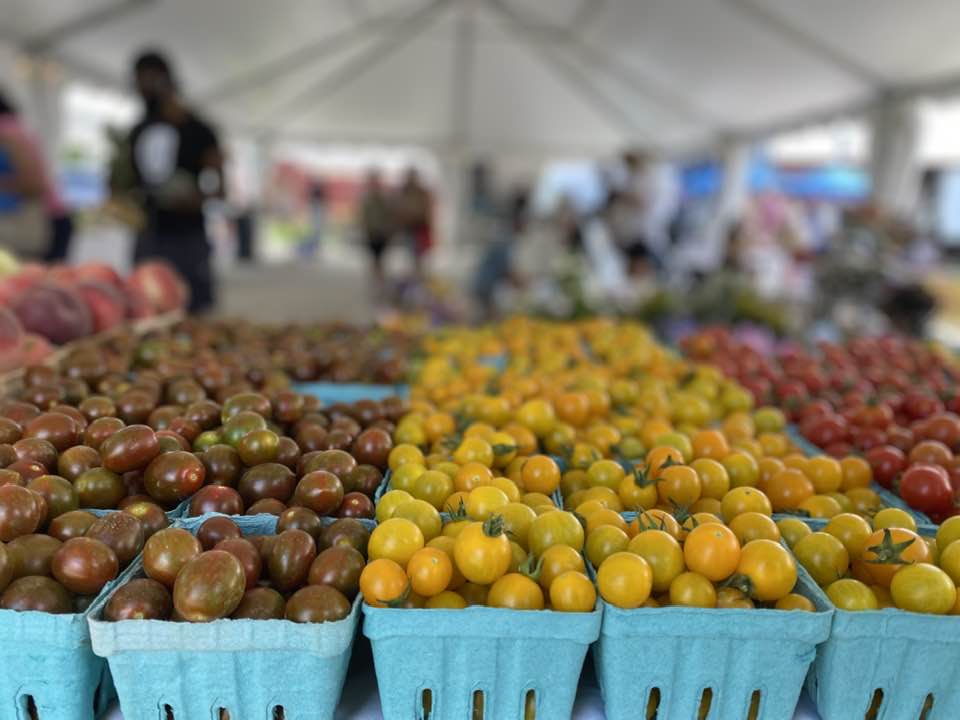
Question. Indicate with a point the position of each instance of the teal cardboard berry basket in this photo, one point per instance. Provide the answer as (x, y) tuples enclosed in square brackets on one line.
[(329, 393), (248, 668), (50, 671), (682, 661), (446, 664), (901, 664)]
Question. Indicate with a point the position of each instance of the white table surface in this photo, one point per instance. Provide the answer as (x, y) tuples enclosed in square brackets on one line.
[(360, 700)]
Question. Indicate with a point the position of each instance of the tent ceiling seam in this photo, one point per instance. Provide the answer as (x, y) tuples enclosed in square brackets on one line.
[(355, 68), (567, 72), (309, 54), (464, 59), (803, 40), (75, 26), (641, 86)]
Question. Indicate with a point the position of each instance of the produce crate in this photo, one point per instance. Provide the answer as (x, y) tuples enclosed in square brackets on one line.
[(889, 498), (329, 392), (250, 668), (669, 658), (896, 661), (442, 664), (49, 669)]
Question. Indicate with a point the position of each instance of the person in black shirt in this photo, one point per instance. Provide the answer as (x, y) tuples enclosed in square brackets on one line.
[(178, 166)]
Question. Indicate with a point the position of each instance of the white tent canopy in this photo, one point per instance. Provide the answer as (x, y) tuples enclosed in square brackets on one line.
[(550, 76)]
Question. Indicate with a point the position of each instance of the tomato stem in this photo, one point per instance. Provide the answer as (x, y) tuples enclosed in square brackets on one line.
[(530, 568), (493, 526), (398, 601), (888, 552)]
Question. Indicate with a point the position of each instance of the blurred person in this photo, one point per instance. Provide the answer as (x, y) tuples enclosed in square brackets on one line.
[(412, 205), (34, 222), (608, 267), (178, 166), (317, 200), (649, 196), (495, 267), (376, 224)]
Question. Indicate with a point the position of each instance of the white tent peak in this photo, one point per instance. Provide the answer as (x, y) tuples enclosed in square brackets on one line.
[(510, 75)]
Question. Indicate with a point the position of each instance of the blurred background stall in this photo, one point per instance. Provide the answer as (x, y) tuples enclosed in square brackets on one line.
[(796, 167)]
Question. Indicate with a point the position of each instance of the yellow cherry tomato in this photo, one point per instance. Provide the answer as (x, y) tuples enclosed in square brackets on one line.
[(572, 591), (625, 580)]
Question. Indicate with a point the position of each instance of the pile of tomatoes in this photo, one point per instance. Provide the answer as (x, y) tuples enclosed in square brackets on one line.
[(865, 564), (893, 399), (475, 562)]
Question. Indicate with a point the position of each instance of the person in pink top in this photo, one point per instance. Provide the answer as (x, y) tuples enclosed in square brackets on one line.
[(34, 222)]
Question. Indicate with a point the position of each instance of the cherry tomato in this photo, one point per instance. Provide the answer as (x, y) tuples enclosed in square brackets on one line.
[(823, 556), (557, 560), (894, 517), (382, 581), (770, 569), (889, 549), (482, 551), (691, 589), (430, 571), (792, 529), (516, 592), (793, 601), (555, 528), (930, 452), (927, 488), (850, 594), (662, 553), (788, 489), (886, 462), (447, 600), (923, 588), (540, 474), (754, 526), (744, 499), (625, 580), (852, 530), (572, 592), (731, 597), (855, 472), (396, 539), (712, 551)]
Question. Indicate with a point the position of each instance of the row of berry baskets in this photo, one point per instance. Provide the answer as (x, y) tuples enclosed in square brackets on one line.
[(669, 662)]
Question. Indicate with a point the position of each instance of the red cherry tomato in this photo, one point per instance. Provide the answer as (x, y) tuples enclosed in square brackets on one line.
[(927, 488), (825, 430), (944, 427), (919, 405), (878, 415), (886, 462), (930, 452), (868, 437), (901, 437)]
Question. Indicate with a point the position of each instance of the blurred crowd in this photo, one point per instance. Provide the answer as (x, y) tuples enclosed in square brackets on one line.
[(641, 248), (647, 249)]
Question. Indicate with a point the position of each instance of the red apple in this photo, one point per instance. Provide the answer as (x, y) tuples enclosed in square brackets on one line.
[(107, 304)]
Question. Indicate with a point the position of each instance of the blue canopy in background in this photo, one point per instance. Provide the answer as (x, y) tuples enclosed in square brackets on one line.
[(830, 182)]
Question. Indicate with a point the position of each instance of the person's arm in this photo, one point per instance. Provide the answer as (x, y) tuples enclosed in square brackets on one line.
[(213, 167), (28, 177)]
